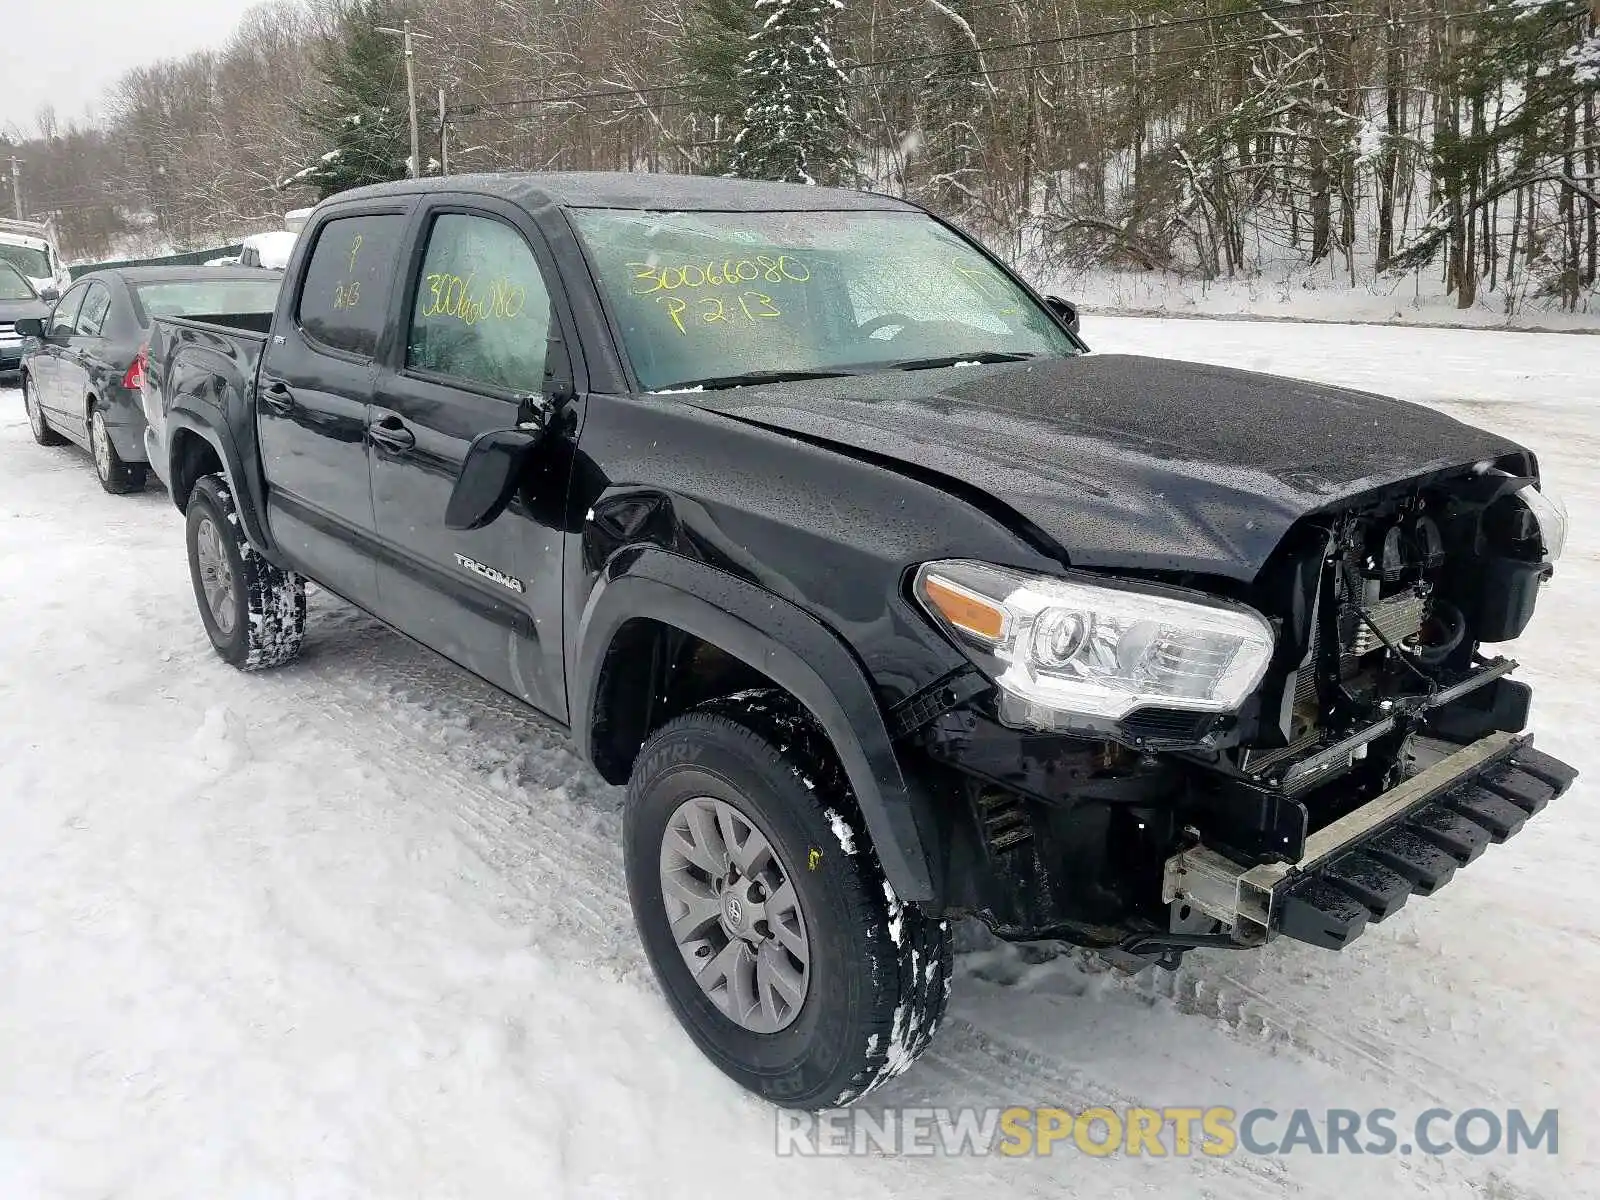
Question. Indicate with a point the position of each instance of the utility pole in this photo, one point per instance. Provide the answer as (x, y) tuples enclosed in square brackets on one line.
[(411, 98), (16, 186), (404, 33), (444, 136)]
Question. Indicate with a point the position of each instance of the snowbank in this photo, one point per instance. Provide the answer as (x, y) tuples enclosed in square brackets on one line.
[(1302, 294)]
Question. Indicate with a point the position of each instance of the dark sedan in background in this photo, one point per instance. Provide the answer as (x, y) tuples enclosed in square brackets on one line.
[(18, 302), (81, 374)]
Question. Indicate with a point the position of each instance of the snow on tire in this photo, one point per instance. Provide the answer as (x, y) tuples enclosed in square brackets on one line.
[(876, 971), (254, 612)]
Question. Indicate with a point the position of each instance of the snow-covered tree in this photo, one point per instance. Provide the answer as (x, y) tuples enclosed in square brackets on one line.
[(717, 45), (359, 121), (796, 124)]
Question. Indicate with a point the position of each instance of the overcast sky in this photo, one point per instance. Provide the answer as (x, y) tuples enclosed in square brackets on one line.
[(67, 52)]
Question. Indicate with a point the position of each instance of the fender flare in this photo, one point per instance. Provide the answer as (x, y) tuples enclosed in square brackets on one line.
[(793, 649), (199, 418)]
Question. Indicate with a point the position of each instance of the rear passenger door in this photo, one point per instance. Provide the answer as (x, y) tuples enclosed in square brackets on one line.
[(314, 389), (478, 314)]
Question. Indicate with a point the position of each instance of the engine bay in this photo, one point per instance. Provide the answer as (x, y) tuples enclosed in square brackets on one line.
[(1384, 610)]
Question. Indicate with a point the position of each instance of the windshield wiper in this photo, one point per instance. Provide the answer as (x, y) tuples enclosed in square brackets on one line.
[(749, 378), (950, 360)]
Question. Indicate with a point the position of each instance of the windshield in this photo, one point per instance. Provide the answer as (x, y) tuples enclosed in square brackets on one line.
[(205, 297), (713, 297), (13, 286), (32, 261)]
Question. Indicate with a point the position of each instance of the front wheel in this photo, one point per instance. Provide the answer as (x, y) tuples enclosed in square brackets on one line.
[(781, 948), (40, 428), (254, 613)]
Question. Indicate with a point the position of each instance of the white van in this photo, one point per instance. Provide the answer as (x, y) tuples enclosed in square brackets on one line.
[(31, 248)]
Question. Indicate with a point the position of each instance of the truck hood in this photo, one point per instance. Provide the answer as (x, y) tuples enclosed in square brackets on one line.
[(1127, 462)]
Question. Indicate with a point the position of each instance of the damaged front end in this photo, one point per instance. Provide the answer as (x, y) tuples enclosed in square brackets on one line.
[(1158, 768)]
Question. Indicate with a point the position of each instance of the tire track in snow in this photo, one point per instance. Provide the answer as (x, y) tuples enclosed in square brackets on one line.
[(1207, 989)]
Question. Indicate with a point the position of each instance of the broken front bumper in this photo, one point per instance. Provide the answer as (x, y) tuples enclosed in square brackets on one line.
[(1365, 865)]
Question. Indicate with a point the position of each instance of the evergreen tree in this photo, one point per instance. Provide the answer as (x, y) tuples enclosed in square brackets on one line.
[(359, 121), (795, 124), (714, 55)]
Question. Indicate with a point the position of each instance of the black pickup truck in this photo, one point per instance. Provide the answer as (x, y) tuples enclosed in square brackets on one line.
[(817, 527)]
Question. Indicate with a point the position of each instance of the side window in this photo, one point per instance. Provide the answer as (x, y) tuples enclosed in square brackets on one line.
[(482, 311), (345, 296), (92, 320), (63, 319)]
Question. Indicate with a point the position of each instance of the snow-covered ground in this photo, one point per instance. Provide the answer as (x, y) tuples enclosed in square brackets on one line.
[(358, 928)]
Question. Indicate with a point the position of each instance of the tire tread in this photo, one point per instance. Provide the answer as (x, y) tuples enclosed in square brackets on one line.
[(910, 951), (275, 599)]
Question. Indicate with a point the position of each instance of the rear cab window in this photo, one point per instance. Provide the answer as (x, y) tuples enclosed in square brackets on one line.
[(349, 280)]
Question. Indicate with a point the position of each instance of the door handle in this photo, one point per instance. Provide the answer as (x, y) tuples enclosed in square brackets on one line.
[(277, 396), (392, 434)]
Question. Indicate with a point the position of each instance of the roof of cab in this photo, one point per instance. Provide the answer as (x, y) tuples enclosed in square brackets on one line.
[(631, 190)]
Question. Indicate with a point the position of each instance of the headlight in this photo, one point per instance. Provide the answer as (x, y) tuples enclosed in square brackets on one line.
[(1551, 516), (1060, 649)]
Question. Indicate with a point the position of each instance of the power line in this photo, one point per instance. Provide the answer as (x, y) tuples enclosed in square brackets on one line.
[(1259, 40), (974, 73), (477, 107), (1153, 28)]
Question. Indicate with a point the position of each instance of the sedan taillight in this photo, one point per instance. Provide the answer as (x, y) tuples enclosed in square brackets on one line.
[(135, 376)]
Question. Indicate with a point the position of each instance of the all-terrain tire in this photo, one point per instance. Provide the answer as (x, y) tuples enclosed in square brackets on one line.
[(37, 424), (116, 476), (258, 622), (879, 969)]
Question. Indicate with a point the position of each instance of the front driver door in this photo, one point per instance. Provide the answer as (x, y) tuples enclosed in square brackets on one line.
[(478, 318), (312, 397), (45, 366)]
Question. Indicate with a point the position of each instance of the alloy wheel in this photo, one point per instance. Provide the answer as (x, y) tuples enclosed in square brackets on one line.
[(735, 914), (216, 575), (35, 417), (100, 441)]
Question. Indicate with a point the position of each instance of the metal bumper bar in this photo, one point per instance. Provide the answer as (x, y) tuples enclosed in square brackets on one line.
[(1365, 865)]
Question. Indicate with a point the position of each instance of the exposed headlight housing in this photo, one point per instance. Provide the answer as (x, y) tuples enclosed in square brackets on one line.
[(1066, 653), (1550, 515)]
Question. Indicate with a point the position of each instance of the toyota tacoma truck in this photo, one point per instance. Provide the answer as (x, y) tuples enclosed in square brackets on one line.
[(818, 528)]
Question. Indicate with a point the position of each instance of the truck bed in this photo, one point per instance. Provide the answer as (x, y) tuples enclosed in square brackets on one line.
[(212, 356)]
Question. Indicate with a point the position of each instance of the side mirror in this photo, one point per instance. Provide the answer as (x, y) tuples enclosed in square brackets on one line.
[(495, 464), (1065, 310), (30, 327), (49, 293)]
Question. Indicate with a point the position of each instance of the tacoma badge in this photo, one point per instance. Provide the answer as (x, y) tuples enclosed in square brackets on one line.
[(504, 580)]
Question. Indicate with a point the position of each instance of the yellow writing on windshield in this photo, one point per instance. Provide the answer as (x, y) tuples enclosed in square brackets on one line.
[(761, 268), (747, 307), (452, 296)]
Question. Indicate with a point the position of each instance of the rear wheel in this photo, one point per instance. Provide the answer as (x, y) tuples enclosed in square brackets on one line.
[(780, 946), (42, 433), (116, 476), (254, 613)]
